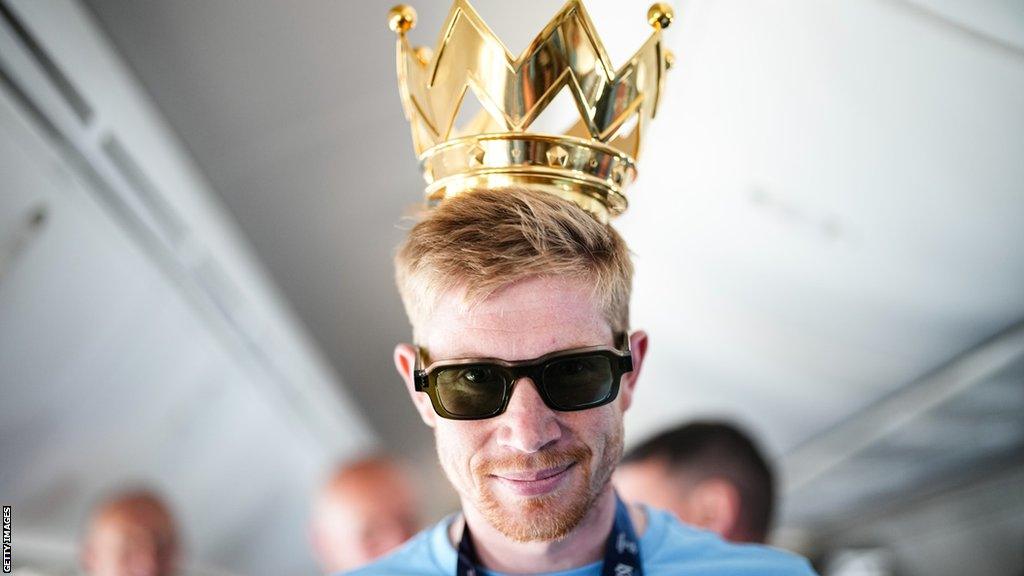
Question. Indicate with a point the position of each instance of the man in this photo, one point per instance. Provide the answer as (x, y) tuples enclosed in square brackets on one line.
[(709, 474), (131, 534), (518, 295), (524, 367), (366, 508)]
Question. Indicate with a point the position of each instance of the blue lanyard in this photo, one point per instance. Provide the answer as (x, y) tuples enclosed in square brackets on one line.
[(621, 552)]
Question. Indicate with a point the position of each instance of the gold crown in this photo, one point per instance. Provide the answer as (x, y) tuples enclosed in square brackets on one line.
[(591, 164)]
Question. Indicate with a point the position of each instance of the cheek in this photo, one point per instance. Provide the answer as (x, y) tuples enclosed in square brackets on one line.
[(457, 444), (601, 430)]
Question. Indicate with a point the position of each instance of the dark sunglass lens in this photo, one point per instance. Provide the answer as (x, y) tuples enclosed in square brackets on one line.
[(577, 382), (471, 391)]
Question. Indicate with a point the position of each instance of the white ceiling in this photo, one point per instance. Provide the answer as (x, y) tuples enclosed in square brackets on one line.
[(111, 377), (835, 209)]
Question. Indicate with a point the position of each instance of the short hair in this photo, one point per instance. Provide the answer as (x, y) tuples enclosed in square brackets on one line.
[(710, 449), (136, 502), (484, 240)]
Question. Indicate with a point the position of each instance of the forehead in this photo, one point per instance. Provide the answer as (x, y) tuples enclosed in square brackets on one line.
[(525, 320)]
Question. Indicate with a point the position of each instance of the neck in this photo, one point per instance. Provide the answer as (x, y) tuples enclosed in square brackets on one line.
[(584, 545)]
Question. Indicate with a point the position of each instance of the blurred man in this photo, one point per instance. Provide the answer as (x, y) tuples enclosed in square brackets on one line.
[(131, 534), (709, 474), (365, 509)]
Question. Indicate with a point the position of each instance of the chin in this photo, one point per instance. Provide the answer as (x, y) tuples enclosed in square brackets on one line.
[(543, 518)]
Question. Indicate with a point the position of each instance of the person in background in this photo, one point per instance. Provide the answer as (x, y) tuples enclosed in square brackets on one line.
[(365, 509), (132, 533), (709, 474)]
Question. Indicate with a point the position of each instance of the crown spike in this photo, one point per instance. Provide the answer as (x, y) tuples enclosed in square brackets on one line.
[(401, 18), (660, 15)]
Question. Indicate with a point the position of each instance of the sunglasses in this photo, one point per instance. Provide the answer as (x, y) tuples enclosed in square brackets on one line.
[(567, 380)]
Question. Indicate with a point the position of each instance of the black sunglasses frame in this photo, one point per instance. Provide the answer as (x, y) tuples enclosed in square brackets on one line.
[(620, 360)]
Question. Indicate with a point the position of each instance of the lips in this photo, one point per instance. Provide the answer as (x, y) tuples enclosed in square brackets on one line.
[(533, 482)]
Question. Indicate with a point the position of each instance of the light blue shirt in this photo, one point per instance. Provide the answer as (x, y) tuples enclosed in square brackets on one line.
[(667, 548)]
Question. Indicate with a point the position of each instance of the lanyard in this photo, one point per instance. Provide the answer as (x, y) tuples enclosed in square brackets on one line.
[(621, 553)]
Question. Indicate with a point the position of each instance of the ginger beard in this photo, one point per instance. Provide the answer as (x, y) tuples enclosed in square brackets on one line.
[(548, 517)]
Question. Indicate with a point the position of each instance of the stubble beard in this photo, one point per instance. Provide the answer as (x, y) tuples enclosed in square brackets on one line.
[(550, 517)]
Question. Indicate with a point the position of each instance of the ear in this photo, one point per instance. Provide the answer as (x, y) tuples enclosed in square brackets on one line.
[(405, 363), (715, 504), (638, 347)]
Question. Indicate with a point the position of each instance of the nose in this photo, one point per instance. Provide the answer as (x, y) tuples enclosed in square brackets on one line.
[(528, 425)]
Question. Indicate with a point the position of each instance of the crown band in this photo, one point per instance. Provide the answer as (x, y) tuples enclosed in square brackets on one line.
[(583, 171)]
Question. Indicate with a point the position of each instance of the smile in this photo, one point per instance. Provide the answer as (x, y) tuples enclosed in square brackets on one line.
[(534, 482)]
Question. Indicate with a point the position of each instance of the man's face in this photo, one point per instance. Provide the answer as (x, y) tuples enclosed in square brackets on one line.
[(531, 472), (364, 518), (712, 504), (120, 545), (651, 482)]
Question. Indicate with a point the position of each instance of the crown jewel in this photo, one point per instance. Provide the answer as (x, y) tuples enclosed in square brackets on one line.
[(591, 163)]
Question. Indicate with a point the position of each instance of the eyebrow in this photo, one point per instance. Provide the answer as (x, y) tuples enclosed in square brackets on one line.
[(428, 359)]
